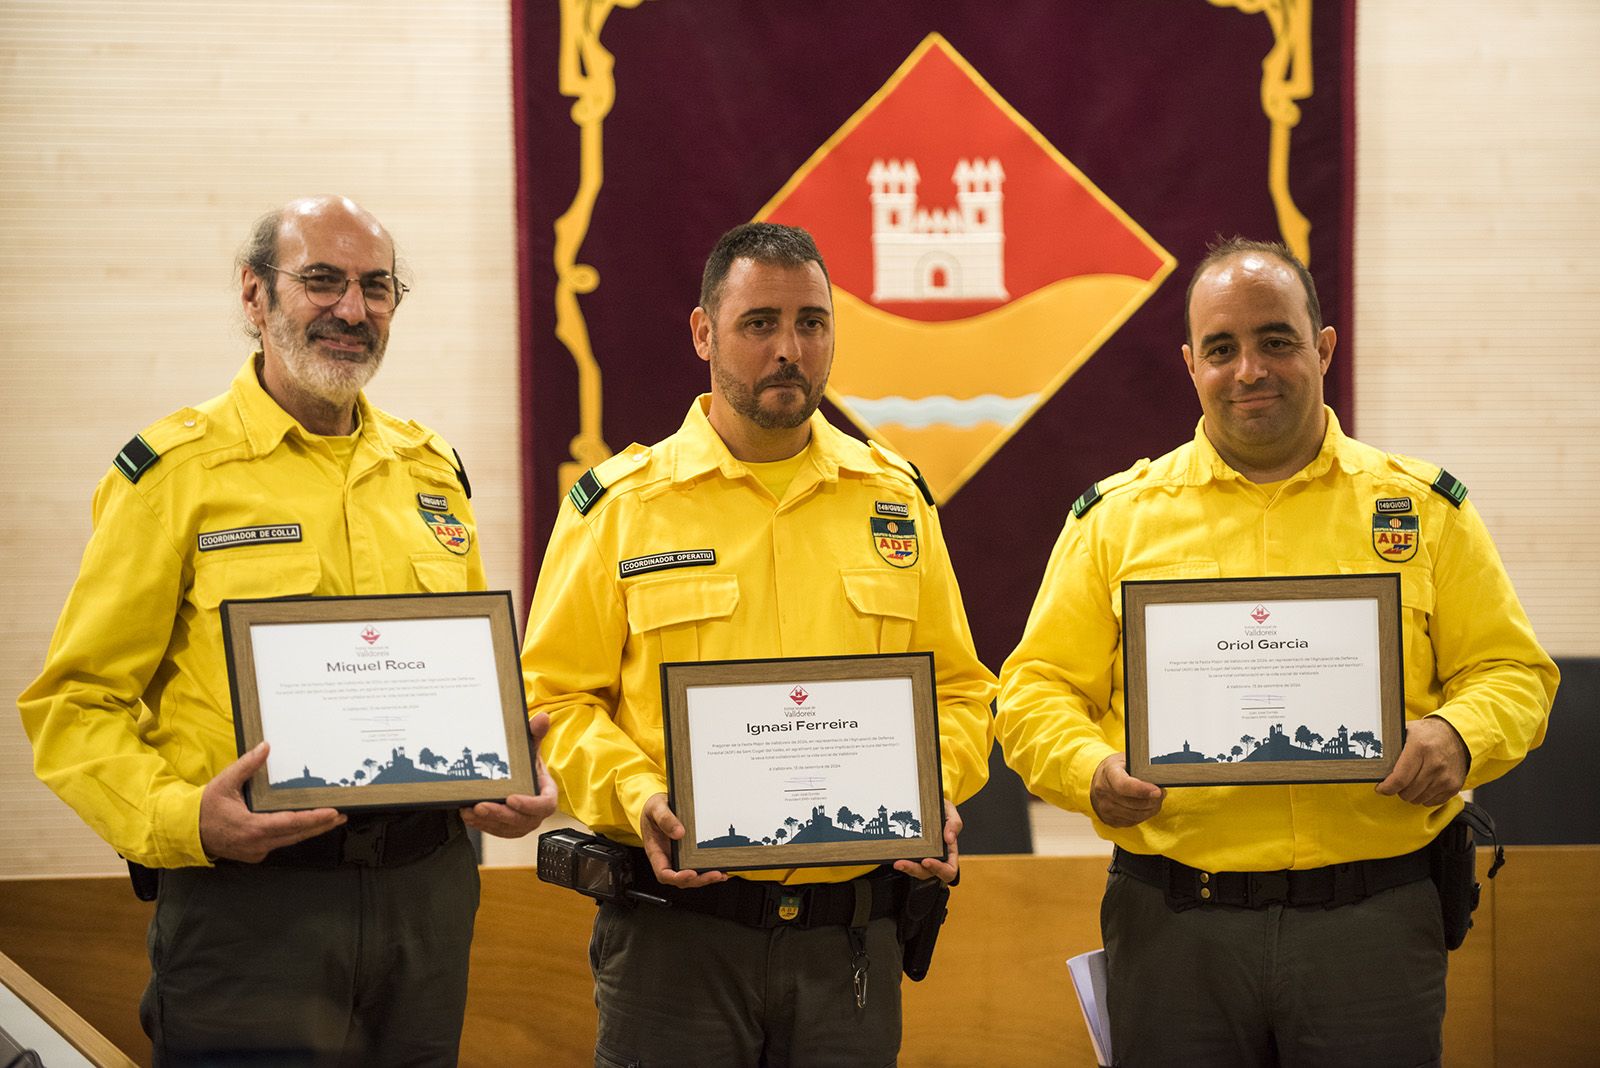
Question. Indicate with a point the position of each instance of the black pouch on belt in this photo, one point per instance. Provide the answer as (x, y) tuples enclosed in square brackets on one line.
[(921, 915), (1454, 862)]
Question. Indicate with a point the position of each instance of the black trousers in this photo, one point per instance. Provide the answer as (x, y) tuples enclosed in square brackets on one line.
[(1362, 984), (679, 988), (352, 965)]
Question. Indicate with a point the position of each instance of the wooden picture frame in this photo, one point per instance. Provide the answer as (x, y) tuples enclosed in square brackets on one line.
[(336, 684), (1203, 655), (800, 743)]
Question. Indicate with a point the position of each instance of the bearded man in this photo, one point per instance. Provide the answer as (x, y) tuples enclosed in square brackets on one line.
[(749, 533), (293, 937)]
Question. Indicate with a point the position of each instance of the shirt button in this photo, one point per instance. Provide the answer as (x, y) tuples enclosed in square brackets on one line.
[(1205, 877), (1205, 894), (188, 422)]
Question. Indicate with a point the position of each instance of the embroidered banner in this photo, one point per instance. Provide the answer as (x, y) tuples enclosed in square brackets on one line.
[(1010, 199)]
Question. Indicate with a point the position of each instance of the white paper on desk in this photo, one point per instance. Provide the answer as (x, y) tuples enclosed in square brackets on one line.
[(1088, 971)]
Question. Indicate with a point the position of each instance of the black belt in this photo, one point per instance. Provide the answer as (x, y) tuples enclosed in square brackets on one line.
[(1329, 887), (767, 904), (386, 841)]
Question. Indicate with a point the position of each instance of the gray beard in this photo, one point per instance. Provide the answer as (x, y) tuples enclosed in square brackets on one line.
[(330, 379)]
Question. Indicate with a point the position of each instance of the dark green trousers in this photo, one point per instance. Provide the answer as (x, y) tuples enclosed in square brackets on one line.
[(679, 988), (1361, 984), (353, 965)]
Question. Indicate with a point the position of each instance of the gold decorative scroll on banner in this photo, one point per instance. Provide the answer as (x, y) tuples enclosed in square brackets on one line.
[(944, 431)]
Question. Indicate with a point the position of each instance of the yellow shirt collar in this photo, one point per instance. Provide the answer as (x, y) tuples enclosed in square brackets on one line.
[(1206, 465), (266, 424), (699, 449)]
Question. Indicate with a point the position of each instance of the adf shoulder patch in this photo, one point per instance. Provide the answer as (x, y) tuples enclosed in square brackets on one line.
[(895, 540), (1395, 537), (450, 531)]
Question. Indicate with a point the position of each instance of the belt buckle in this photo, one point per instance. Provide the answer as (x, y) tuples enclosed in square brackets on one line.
[(364, 844), (788, 906), (1266, 888)]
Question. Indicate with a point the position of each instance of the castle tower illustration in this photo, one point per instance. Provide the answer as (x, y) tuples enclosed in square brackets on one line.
[(923, 253)]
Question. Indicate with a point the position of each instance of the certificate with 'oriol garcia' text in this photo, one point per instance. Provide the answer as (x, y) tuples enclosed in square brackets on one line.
[(1263, 680)]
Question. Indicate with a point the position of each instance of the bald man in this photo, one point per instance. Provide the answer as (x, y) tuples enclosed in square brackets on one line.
[(1274, 924), (296, 937)]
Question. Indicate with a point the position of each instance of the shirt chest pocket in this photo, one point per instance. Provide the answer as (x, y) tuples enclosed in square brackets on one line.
[(1189, 569), (887, 601), (252, 575), (675, 611)]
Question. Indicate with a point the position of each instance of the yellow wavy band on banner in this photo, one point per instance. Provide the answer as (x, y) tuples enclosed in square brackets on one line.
[(585, 75), (1285, 78)]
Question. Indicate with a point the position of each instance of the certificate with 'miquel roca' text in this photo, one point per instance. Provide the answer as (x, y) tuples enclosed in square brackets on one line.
[(410, 700)]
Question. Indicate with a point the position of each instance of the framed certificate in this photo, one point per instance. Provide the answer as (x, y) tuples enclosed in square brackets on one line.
[(403, 701), (800, 763), (1270, 680)]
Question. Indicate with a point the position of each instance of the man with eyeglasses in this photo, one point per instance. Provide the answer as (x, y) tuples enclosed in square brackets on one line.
[(293, 937)]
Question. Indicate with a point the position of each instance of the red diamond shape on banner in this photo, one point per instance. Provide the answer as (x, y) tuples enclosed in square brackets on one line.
[(974, 268)]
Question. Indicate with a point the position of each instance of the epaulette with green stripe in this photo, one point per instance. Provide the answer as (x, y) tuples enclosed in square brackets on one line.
[(1086, 500), (135, 459), (1095, 493), (585, 492), (159, 439), (1450, 488), (605, 475)]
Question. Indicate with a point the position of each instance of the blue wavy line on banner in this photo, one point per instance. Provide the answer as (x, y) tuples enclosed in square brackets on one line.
[(918, 412)]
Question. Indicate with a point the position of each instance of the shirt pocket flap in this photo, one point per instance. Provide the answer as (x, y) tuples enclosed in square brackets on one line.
[(668, 602), (878, 592), (1416, 584), (1188, 569), (257, 575), (439, 574)]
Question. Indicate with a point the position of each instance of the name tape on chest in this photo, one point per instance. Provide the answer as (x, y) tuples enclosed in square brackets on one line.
[(433, 502), (262, 535), (892, 508), (643, 565), (1392, 505)]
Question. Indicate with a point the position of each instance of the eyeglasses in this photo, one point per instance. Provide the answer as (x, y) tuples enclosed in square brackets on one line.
[(380, 290)]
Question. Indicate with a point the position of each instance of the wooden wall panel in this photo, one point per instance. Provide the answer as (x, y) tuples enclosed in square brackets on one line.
[(1547, 957), (1520, 990)]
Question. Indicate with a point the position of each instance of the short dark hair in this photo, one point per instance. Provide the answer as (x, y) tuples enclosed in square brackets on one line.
[(770, 243), (259, 253), (1221, 249)]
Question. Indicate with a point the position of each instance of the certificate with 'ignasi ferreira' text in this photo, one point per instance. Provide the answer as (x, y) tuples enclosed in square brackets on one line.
[(804, 762)]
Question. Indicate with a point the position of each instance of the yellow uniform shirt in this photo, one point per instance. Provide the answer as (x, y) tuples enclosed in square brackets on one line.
[(1470, 654), (800, 577), (131, 715)]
